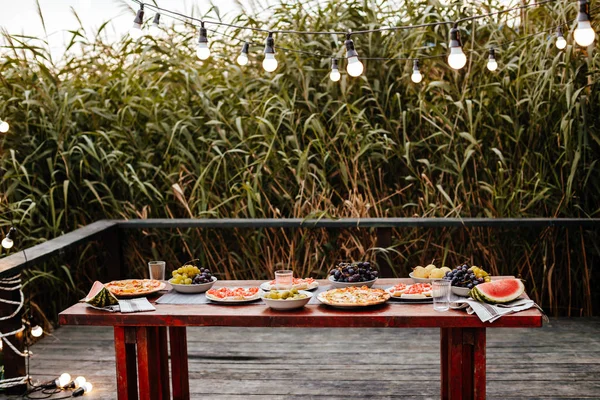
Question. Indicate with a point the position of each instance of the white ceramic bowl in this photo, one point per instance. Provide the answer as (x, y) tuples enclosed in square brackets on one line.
[(461, 291), (423, 280), (199, 288), (287, 304), (336, 284)]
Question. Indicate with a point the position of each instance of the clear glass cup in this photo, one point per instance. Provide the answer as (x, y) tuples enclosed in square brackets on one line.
[(157, 270), (284, 279), (441, 294)]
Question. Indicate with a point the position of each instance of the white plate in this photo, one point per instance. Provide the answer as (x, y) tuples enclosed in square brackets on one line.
[(336, 284), (234, 301), (423, 280), (266, 286), (426, 299), (324, 301), (193, 288), (461, 291), (287, 304)]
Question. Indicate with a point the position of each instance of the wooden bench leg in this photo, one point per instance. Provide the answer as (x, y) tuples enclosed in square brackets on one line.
[(179, 363), (125, 358), (147, 363), (463, 363)]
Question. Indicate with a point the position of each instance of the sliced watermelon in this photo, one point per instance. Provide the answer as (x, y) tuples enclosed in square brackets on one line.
[(99, 296), (498, 291)]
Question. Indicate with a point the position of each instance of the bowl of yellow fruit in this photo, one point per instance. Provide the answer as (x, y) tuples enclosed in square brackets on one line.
[(428, 274), (191, 279), (286, 299)]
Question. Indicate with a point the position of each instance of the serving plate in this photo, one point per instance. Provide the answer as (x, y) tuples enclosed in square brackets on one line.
[(423, 280), (162, 286), (322, 299), (426, 299), (338, 285), (461, 291), (230, 300), (266, 286)]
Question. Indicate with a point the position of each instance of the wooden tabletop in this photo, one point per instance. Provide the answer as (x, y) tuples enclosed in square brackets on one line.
[(316, 316)]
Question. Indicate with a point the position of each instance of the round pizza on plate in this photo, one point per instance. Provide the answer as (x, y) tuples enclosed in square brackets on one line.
[(233, 295), (354, 296), (297, 283), (134, 287)]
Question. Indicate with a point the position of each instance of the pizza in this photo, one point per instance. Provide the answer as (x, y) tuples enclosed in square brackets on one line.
[(233, 294), (354, 296), (297, 283), (134, 287)]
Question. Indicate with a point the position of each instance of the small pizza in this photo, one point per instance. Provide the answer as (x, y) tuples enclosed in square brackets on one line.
[(354, 296), (297, 283), (396, 291), (233, 294), (418, 291), (134, 287)]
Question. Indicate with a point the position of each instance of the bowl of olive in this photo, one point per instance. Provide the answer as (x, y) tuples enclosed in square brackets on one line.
[(286, 299)]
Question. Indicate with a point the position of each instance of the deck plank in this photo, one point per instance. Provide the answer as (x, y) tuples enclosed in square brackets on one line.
[(561, 360)]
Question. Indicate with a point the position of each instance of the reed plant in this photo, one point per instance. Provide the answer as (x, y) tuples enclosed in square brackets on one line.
[(145, 130)]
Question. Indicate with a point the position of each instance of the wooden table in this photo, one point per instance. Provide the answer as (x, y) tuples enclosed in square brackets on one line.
[(141, 343)]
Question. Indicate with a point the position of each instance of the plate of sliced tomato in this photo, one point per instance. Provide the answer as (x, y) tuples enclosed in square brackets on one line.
[(228, 295)]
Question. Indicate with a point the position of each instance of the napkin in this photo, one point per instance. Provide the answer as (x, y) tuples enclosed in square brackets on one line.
[(491, 312), (128, 306)]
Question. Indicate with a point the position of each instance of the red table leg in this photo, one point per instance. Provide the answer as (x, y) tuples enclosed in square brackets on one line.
[(179, 363), (163, 360), (147, 362), (125, 362), (463, 363)]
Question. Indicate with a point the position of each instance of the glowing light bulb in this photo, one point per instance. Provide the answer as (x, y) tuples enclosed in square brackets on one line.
[(243, 57), (88, 387), (80, 381), (64, 379), (203, 51), (4, 126), (561, 43), (354, 67), (335, 72), (584, 35), (270, 63), (457, 58), (155, 27), (7, 243), (136, 30), (492, 64), (1, 344), (416, 76), (37, 331)]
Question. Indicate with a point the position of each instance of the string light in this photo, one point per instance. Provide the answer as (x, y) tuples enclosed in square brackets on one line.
[(136, 30), (8, 241), (492, 64), (355, 67), (416, 76), (37, 331), (243, 57), (203, 51), (584, 34), (269, 62), (561, 43), (155, 27), (335, 72), (63, 380), (80, 381), (457, 58), (4, 126)]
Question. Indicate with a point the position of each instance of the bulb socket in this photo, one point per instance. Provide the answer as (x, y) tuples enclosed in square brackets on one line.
[(78, 392), (334, 63), (139, 17), (584, 11), (455, 37), (203, 38), (492, 54), (559, 32), (156, 20), (415, 65), (270, 44), (350, 50), (245, 48), (12, 233)]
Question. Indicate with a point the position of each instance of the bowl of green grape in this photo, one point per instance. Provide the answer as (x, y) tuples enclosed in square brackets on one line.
[(286, 299), (191, 279)]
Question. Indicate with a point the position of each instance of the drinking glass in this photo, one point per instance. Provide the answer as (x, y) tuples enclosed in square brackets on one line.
[(441, 295), (283, 279), (157, 270)]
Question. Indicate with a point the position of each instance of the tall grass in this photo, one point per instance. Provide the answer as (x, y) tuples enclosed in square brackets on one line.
[(130, 130)]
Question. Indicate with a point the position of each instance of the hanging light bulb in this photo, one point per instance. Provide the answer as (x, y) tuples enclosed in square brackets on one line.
[(416, 76), (584, 34), (561, 43), (155, 27), (136, 30), (63, 380), (269, 62), (457, 58), (492, 64), (203, 51), (4, 126), (8, 241), (354, 67), (243, 57), (37, 331), (335, 72), (1, 344)]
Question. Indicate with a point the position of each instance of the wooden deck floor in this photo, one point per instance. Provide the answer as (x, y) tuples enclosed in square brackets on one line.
[(562, 360)]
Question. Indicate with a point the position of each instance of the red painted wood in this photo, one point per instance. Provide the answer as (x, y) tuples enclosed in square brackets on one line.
[(455, 359), (479, 374), (130, 350), (179, 363), (163, 360), (445, 379), (121, 364), (147, 379), (467, 363), (392, 316)]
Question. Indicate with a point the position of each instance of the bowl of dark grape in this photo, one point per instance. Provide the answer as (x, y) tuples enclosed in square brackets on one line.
[(353, 274), (463, 280)]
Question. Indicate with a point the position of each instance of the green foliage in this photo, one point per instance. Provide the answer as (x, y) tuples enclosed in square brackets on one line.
[(129, 130)]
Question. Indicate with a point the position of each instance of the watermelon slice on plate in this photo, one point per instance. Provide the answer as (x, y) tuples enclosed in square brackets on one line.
[(498, 291), (99, 296)]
